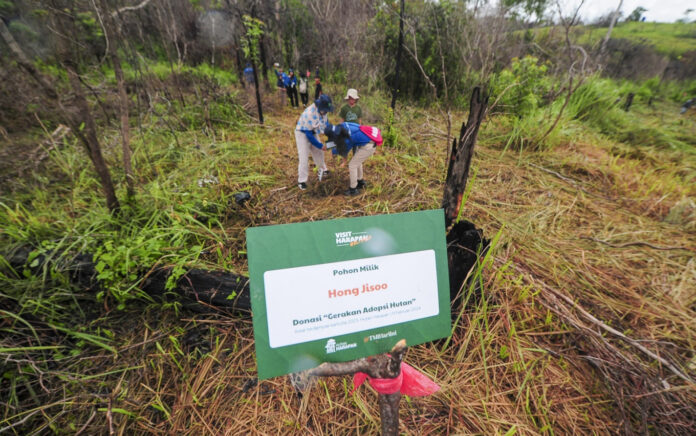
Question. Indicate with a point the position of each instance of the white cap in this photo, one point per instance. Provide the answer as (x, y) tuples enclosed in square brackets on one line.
[(276, 65), (352, 93)]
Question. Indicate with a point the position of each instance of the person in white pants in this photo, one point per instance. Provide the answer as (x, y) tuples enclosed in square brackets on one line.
[(312, 122), (363, 140)]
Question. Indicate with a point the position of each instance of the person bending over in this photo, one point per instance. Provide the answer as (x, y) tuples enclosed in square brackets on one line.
[(352, 136), (313, 121)]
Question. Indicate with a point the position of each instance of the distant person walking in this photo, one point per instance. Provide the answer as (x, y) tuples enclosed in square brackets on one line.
[(291, 87), (304, 90), (312, 122), (317, 87), (351, 112)]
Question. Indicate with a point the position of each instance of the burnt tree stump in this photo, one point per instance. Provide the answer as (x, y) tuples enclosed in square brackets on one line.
[(460, 157), (464, 240), (629, 101)]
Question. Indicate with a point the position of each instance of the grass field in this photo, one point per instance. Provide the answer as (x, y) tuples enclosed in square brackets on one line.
[(584, 324), (671, 39)]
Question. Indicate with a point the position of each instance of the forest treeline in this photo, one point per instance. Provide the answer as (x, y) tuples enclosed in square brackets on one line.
[(448, 46)]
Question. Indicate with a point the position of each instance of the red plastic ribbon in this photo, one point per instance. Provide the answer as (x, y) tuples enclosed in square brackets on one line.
[(410, 382)]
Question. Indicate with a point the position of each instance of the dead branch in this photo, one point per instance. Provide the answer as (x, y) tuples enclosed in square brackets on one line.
[(131, 8), (592, 319), (380, 366)]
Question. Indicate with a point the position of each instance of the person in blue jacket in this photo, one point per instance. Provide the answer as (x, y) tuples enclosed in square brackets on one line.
[(290, 82), (312, 122), (346, 137)]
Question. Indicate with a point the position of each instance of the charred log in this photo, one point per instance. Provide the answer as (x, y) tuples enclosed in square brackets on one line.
[(200, 290)]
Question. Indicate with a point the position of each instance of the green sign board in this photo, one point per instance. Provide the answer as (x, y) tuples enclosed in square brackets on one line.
[(339, 290)]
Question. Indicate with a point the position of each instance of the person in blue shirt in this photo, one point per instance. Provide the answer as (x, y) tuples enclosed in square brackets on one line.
[(346, 137), (290, 82), (312, 122)]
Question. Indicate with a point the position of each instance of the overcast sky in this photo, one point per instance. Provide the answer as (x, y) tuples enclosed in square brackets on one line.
[(666, 11)]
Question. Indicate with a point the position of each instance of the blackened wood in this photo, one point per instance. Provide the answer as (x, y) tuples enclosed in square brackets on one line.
[(465, 243), (460, 157), (629, 101), (201, 290), (256, 88)]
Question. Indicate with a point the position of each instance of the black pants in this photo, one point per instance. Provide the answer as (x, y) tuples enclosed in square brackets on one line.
[(292, 95), (305, 98)]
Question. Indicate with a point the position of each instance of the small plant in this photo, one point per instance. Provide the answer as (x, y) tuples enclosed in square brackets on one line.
[(520, 88), (390, 134)]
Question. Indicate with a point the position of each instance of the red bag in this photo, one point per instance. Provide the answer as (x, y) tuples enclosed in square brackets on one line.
[(373, 133)]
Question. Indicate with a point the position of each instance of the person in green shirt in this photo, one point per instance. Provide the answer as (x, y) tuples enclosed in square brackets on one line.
[(351, 112)]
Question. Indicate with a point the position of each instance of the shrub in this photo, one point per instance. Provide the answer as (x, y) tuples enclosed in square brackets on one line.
[(520, 88)]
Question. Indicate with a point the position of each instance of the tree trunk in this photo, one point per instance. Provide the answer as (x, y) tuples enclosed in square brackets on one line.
[(84, 127), (629, 101), (264, 64), (614, 17), (112, 34), (460, 157), (395, 87), (125, 124), (258, 94)]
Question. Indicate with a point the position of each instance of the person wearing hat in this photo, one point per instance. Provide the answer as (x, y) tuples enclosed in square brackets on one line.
[(312, 122), (351, 112), (362, 140)]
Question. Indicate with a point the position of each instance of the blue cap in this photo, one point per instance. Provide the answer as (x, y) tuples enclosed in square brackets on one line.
[(324, 103)]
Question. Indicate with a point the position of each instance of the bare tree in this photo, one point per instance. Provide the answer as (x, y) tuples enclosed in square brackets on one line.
[(395, 86), (576, 73), (78, 116), (614, 17), (113, 34)]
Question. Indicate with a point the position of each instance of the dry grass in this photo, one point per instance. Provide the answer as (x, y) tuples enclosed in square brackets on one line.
[(524, 357)]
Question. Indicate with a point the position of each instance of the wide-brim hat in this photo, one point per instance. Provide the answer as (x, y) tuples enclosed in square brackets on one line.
[(352, 93)]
